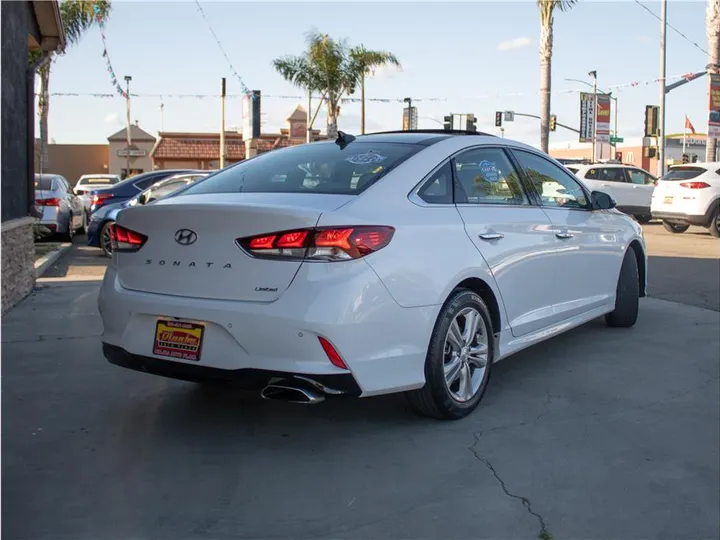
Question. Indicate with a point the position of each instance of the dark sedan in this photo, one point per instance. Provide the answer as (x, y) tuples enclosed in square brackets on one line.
[(128, 188)]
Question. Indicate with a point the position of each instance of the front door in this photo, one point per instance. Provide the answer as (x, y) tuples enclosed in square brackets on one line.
[(643, 185), (515, 237), (589, 244)]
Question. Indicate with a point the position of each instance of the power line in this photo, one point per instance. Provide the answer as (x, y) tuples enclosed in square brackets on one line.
[(222, 50), (670, 26)]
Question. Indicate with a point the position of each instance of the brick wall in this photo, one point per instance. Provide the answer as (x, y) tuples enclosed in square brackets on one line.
[(18, 261)]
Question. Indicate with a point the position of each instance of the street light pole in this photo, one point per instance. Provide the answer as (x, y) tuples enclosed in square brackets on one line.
[(593, 74), (663, 62), (128, 138)]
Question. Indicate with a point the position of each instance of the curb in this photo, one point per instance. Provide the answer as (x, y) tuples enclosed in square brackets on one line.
[(42, 264)]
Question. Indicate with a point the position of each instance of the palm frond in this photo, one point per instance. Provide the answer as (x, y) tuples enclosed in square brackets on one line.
[(78, 16)]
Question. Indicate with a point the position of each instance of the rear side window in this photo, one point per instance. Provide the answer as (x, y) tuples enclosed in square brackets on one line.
[(683, 173), (311, 168), (438, 189)]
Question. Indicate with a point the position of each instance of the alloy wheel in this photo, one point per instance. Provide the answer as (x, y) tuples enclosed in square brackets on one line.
[(105, 240), (466, 354)]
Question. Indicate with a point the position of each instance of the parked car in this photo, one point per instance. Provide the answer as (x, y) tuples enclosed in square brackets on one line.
[(689, 194), (128, 188), (391, 262), (94, 181), (62, 211), (98, 231), (630, 186)]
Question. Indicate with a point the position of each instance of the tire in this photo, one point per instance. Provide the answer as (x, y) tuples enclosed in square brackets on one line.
[(105, 235), (68, 236), (714, 227), (675, 228), (627, 294), (643, 219), (437, 398), (83, 226)]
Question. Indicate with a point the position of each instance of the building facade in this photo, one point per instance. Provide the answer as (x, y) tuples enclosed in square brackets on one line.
[(25, 26), (133, 160)]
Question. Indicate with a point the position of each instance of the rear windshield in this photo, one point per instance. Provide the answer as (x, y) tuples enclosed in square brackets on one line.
[(98, 180), (310, 168), (43, 183), (683, 173)]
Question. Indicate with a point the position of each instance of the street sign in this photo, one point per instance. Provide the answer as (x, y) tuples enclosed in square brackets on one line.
[(615, 140)]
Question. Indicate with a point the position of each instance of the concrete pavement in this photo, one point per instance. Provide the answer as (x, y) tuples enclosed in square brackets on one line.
[(600, 433)]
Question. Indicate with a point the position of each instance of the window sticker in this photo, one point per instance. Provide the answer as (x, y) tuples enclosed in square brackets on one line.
[(490, 171), (367, 158)]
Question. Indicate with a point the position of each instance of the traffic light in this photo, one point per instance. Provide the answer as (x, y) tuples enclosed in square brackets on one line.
[(553, 122), (685, 158), (448, 125), (651, 120), (498, 118), (471, 123)]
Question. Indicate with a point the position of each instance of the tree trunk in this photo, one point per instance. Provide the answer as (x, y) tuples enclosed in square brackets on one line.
[(43, 109), (362, 104), (546, 43), (712, 21), (332, 115)]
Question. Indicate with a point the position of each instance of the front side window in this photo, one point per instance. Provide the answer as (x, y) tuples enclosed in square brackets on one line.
[(611, 174), (312, 168), (640, 177), (555, 187), (486, 176)]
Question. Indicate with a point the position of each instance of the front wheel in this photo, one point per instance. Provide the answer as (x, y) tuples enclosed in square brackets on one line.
[(105, 243), (459, 359), (714, 227), (675, 228), (627, 294)]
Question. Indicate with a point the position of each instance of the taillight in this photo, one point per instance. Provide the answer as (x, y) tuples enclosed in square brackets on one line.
[(323, 244), (126, 240), (100, 198), (694, 185), (47, 202)]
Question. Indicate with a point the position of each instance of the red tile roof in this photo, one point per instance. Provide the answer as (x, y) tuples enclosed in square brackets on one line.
[(207, 145)]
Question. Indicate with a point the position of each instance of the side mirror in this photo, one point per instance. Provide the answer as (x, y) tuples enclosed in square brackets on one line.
[(602, 201), (142, 199)]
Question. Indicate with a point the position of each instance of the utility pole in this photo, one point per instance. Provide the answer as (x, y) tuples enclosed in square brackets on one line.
[(308, 136), (222, 124), (128, 138), (663, 63), (593, 74), (712, 21)]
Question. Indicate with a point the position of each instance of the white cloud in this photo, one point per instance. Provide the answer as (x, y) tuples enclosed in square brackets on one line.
[(111, 118), (386, 72), (511, 44)]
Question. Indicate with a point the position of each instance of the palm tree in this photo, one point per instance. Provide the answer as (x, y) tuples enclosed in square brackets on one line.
[(326, 68), (77, 16), (365, 61), (547, 7)]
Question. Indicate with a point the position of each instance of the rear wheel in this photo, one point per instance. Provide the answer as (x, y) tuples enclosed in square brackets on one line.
[(676, 228), (70, 233), (714, 227), (627, 294), (105, 243), (643, 218), (459, 358)]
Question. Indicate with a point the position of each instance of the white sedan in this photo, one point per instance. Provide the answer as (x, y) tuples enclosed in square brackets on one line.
[(392, 262)]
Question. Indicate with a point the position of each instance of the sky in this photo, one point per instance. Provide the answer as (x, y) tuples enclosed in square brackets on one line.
[(467, 57)]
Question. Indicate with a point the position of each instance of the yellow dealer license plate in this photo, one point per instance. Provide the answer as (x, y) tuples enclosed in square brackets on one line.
[(668, 200), (178, 339)]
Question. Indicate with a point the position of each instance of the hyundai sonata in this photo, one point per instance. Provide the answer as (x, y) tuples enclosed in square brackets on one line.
[(391, 262)]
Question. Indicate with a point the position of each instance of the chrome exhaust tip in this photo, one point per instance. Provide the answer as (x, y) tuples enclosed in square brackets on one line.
[(292, 392)]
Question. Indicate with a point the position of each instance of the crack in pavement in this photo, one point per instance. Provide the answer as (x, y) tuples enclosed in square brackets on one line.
[(50, 338), (544, 533)]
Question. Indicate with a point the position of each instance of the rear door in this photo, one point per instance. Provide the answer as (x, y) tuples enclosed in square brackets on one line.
[(515, 237), (643, 185), (589, 244)]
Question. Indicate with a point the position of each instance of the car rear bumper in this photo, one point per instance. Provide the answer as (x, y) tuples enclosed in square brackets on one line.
[(686, 219), (93, 233), (383, 345)]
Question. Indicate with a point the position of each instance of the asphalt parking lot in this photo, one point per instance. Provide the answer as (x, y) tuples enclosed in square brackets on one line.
[(600, 433)]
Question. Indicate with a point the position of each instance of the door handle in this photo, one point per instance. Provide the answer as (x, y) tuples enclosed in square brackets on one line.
[(603, 185), (491, 236), (564, 235)]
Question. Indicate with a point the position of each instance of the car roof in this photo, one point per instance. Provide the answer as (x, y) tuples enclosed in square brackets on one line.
[(423, 137)]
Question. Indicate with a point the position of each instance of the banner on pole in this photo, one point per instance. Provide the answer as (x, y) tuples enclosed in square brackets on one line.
[(587, 117), (714, 106), (602, 120)]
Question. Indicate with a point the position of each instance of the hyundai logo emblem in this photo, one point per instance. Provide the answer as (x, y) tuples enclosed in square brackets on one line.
[(185, 237)]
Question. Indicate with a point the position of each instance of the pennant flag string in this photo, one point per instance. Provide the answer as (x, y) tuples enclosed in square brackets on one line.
[(108, 64)]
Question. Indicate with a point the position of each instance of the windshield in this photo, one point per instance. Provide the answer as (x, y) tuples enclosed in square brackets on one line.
[(98, 181), (43, 183), (310, 168), (683, 173)]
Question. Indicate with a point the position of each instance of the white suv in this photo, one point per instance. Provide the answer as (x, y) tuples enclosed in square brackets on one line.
[(689, 195), (631, 187)]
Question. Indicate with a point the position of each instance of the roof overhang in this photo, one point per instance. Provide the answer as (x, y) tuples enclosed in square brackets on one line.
[(50, 26)]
